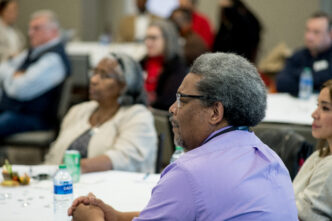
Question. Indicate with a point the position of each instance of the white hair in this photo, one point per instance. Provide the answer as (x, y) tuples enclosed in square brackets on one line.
[(233, 81), (52, 18)]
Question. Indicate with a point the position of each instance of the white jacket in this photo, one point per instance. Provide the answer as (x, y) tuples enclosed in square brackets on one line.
[(129, 138)]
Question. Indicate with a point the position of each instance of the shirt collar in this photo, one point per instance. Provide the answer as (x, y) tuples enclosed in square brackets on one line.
[(215, 132), (36, 51)]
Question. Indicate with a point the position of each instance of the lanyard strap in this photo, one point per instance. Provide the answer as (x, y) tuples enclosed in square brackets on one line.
[(232, 128)]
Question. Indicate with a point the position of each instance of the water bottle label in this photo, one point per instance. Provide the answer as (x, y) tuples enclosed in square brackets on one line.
[(307, 81), (63, 189)]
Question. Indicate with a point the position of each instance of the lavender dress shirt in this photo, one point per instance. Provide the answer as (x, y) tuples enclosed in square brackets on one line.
[(234, 176)]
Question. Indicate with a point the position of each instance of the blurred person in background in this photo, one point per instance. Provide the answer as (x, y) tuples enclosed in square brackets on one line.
[(193, 45), (164, 65), (316, 55), (114, 130), (312, 185), (32, 81), (11, 39), (200, 23), (239, 30), (133, 27)]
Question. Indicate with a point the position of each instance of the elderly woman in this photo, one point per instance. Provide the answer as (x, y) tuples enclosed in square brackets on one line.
[(313, 183), (163, 64), (11, 39), (114, 130)]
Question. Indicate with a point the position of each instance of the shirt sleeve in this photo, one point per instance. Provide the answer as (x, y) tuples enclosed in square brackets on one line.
[(8, 68), (172, 198), (315, 202), (135, 142), (40, 77)]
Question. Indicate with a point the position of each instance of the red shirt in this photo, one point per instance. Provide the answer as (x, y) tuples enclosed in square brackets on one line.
[(201, 25), (153, 67)]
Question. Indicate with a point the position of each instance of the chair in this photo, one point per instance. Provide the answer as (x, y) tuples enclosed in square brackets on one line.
[(291, 147), (304, 130), (165, 136), (160, 148), (42, 139), (80, 66)]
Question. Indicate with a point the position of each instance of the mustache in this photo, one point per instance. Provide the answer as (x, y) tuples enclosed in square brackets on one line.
[(174, 123)]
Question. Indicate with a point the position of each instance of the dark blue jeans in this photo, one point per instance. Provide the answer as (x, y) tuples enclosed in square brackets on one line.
[(12, 122)]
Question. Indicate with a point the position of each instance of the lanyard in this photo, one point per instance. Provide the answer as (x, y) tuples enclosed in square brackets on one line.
[(232, 128)]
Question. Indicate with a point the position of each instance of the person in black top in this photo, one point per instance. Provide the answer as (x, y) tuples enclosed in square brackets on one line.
[(316, 55), (239, 30), (164, 65)]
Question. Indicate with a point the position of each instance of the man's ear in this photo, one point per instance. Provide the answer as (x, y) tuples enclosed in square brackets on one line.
[(217, 113)]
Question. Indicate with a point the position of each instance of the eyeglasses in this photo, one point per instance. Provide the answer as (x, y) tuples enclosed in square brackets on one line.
[(37, 28), (102, 74), (152, 37), (179, 95)]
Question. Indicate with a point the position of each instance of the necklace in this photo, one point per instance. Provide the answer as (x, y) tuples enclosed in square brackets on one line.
[(96, 120)]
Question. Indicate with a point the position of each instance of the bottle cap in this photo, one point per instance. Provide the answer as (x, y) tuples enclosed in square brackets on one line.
[(62, 166)]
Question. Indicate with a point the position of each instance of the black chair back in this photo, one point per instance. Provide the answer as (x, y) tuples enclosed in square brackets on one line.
[(291, 147)]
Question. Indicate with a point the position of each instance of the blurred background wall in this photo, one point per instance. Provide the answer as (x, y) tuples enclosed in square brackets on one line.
[(69, 12), (283, 20)]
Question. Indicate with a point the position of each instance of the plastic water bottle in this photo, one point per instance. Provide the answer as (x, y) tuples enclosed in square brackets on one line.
[(179, 151), (104, 39), (306, 84), (63, 193)]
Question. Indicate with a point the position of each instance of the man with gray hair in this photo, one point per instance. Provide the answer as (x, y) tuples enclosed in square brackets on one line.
[(227, 173), (31, 82)]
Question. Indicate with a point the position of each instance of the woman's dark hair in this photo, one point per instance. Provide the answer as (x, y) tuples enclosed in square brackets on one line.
[(241, 8), (4, 3), (322, 145)]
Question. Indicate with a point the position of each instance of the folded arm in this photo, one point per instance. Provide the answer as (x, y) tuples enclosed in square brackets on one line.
[(99, 163), (41, 76)]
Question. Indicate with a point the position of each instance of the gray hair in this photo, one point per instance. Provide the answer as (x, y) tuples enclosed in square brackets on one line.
[(171, 37), (233, 81), (131, 74), (50, 15)]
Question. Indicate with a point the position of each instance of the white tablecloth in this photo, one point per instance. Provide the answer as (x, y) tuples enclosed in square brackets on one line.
[(283, 108), (97, 51), (123, 190)]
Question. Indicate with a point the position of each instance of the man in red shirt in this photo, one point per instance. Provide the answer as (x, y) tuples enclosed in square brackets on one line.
[(200, 24)]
